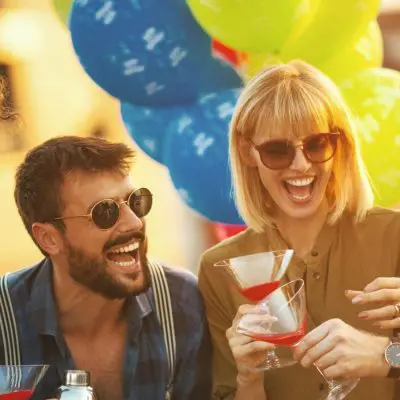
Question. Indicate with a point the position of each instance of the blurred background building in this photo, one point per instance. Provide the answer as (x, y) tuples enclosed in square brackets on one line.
[(54, 96)]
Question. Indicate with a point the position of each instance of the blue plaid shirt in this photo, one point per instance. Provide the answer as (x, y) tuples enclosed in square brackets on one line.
[(146, 366)]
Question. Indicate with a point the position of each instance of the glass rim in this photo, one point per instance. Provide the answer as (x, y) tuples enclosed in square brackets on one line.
[(277, 253), (248, 332), (295, 294)]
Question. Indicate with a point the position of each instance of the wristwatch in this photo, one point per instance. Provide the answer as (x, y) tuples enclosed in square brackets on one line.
[(392, 357)]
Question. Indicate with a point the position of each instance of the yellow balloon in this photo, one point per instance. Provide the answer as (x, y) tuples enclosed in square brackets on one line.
[(335, 24), (256, 62), (253, 25), (63, 8), (373, 95), (366, 52)]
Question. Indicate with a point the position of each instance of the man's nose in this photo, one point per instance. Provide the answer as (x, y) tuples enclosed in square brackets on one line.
[(129, 221)]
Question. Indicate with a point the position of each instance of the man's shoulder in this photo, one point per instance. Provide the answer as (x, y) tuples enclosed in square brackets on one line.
[(19, 278), (183, 288), (180, 279), (180, 274)]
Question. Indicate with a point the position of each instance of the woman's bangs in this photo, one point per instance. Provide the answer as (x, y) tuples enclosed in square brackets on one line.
[(294, 114)]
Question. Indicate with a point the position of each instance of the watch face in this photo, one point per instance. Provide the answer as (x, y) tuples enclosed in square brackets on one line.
[(392, 355)]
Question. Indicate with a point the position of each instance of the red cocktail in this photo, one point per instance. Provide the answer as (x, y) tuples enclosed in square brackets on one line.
[(257, 275)]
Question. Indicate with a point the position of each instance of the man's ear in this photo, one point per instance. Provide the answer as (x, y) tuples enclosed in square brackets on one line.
[(48, 237), (247, 153)]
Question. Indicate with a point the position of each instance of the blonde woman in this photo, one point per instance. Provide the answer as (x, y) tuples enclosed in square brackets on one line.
[(300, 182)]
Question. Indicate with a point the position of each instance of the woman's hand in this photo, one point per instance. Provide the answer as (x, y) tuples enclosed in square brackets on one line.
[(383, 295), (341, 351), (247, 352)]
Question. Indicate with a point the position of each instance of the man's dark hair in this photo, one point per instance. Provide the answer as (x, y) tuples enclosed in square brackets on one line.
[(39, 178)]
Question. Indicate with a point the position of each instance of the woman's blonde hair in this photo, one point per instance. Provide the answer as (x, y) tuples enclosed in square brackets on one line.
[(296, 98)]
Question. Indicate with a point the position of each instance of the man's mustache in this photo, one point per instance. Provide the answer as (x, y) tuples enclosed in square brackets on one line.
[(123, 239)]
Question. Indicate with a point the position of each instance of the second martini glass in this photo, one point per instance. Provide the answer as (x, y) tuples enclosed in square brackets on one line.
[(17, 382), (280, 319)]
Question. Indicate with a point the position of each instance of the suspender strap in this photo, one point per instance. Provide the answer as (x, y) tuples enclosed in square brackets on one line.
[(163, 305), (9, 334)]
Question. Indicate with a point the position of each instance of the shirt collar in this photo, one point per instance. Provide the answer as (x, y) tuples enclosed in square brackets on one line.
[(321, 245), (144, 306), (42, 304), (43, 310), (271, 239)]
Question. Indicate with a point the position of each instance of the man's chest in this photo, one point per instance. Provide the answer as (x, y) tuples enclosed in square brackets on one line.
[(104, 359)]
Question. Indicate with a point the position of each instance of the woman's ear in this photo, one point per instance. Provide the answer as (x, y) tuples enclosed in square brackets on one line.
[(247, 152)]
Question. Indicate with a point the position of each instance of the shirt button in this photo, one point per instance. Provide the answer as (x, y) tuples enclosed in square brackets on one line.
[(314, 253), (316, 276)]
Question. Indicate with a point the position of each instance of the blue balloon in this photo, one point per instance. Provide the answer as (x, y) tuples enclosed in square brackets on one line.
[(196, 153), (147, 52), (148, 126)]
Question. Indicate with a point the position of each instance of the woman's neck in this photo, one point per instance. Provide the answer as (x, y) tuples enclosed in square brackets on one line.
[(301, 234)]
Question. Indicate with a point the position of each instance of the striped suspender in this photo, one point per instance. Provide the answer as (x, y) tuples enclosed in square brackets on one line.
[(9, 334), (163, 305)]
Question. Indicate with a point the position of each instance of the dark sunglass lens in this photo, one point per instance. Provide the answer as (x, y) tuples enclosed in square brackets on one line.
[(276, 154), (141, 201), (320, 148), (105, 214)]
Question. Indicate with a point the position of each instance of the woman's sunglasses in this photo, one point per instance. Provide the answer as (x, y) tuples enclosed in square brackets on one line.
[(105, 213), (279, 154)]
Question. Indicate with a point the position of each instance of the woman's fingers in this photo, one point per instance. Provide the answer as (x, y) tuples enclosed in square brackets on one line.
[(383, 296), (388, 324), (383, 283), (351, 294)]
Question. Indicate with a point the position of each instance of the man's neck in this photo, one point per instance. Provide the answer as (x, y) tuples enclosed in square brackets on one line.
[(301, 234), (81, 311)]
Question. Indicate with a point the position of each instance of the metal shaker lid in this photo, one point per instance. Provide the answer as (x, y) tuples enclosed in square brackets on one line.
[(76, 377)]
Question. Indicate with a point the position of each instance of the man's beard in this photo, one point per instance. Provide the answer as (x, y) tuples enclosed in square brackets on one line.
[(92, 272)]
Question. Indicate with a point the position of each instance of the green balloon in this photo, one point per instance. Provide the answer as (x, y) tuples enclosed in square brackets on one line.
[(253, 25), (63, 8), (374, 98), (365, 52), (335, 24)]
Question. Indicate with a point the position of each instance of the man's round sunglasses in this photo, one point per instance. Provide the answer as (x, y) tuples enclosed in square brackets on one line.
[(105, 213), (280, 153)]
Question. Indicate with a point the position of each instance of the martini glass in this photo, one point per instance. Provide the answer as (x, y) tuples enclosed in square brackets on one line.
[(280, 319), (17, 382), (257, 275)]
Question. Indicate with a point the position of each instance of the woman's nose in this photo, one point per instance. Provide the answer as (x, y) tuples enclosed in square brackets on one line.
[(300, 162)]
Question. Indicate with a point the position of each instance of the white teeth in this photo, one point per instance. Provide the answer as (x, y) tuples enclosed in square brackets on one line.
[(300, 182), (297, 197), (126, 249), (125, 263)]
